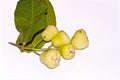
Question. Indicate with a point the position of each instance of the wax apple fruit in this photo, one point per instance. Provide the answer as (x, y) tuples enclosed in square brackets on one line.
[(60, 39), (80, 39), (50, 58), (67, 51), (49, 32)]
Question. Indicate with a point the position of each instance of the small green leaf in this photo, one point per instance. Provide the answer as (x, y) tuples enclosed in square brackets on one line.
[(37, 41), (40, 45)]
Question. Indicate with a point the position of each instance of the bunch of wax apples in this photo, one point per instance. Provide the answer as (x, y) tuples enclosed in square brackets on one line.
[(62, 45)]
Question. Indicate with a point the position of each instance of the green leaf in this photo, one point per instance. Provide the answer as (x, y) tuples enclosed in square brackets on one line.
[(29, 19), (40, 45), (37, 41), (51, 18)]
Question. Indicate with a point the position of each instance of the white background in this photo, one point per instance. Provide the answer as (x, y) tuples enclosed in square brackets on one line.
[(100, 61)]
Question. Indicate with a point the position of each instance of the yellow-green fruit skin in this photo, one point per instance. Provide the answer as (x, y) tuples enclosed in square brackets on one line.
[(80, 39), (50, 58), (67, 51), (60, 39), (49, 32)]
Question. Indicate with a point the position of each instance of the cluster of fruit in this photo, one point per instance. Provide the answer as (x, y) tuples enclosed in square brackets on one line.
[(62, 45)]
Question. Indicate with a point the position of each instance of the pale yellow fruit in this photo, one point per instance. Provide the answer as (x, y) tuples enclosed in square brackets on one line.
[(80, 39), (60, 39), (67, 51), (49, 32), (50, 58)]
